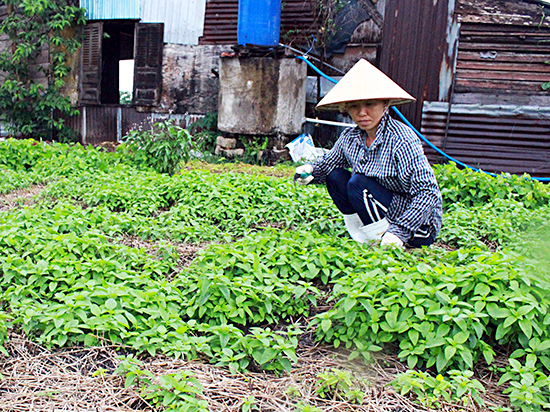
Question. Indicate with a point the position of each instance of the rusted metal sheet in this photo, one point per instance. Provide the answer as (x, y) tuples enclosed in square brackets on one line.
[(220, 26), (112, 9), (220, 22), (73, 122), (100, 124), (298, 20), (132, 120), (496, 58), (508, 139), (518, 12), (417, 49), (183, 20)]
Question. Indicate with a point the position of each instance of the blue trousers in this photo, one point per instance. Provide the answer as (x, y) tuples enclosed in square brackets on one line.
[(357, 193)]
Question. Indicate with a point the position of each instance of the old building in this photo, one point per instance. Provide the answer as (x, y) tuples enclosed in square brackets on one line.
[(479, 71), (176, 48), (478, 68)]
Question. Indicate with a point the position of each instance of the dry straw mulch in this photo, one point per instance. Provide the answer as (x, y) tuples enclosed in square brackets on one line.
[(81, 379)]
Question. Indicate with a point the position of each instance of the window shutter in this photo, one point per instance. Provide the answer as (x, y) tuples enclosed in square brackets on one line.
[(148, 63), (90, 64)]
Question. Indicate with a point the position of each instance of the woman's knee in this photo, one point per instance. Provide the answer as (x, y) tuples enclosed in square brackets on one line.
[(339, 177), (360, 182)]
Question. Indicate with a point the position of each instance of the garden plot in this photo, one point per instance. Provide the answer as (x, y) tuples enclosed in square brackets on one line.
[(210, 282)]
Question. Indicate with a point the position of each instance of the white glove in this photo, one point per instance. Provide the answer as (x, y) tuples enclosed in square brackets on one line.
[(391, 239), (303, 174)]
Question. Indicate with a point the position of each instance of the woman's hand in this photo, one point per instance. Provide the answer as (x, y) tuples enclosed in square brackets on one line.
[(390, 239), (303, 174)]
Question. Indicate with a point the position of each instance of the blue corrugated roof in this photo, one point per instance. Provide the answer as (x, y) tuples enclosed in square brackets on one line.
[(112, 9)]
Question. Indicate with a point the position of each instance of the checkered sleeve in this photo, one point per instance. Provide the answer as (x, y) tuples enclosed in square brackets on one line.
[(333, 159), (415, 172)]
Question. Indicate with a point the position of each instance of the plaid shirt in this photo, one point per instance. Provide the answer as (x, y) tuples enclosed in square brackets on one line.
[(397, 161)]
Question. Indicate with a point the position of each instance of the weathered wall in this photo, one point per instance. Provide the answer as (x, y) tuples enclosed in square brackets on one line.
[(189, 78), (345, 61), (262, 95), (4, 44), (503, 51), (43, 60), (71, 81), (503, 12)]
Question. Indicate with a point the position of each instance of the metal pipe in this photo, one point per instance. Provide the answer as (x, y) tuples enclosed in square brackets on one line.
[(330, 123), (312, 58)]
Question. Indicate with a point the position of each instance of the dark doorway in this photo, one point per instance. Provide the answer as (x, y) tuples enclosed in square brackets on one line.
[(118, 44)]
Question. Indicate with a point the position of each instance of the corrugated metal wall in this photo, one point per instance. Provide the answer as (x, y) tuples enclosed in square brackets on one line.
[(221, 20), (297, 17), (509, 139), (101, 124), (112, 9), (415, 49), (98, 124), (183, 20), (220, 26), (499, 118)]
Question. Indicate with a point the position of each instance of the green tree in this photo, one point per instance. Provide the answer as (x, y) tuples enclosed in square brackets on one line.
[(38, 29)]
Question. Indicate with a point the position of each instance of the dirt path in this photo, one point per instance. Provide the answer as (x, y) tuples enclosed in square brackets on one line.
[(20, 197)]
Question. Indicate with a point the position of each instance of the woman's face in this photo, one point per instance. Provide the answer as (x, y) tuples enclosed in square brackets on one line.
[(367, 114)]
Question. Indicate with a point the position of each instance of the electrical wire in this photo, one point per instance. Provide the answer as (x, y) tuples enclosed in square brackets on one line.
[(420, 135)]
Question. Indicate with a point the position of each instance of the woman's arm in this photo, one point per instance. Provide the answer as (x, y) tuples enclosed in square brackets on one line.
[(417, 176), (333, 159)]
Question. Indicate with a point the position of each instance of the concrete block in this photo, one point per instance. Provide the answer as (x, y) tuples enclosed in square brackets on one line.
[(231, 153), (226, 142), (262, 95)]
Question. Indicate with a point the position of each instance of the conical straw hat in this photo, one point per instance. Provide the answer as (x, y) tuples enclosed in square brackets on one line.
[(364, 82)]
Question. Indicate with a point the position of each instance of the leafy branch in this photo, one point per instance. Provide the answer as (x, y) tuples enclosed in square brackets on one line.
[(39, 31)]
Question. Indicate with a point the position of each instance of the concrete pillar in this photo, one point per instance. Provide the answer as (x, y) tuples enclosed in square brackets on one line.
[(262, 95)]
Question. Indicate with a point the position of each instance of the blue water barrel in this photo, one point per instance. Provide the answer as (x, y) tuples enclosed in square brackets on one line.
[(259, 22)]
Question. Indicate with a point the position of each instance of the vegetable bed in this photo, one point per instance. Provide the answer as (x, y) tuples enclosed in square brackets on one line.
[(95, 260)]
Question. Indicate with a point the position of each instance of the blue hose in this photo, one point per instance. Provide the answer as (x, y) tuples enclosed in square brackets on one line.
[(540, 179)]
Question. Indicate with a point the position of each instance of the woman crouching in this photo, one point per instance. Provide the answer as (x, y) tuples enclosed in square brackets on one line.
[(377, 173)]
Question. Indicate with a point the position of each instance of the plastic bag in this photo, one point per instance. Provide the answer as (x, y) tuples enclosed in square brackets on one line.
[(303, 149)]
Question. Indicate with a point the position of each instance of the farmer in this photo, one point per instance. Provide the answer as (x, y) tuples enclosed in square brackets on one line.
[(391, 193)]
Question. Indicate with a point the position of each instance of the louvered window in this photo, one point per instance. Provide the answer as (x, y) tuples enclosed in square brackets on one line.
[(148, 63), (90, 74), (98, 70)]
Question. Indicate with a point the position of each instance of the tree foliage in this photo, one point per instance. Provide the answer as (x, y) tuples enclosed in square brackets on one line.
[(38, 31)]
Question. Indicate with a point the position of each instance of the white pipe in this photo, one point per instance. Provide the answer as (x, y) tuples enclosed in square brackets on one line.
[(330, 123), (84, 126), (119, 124)]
